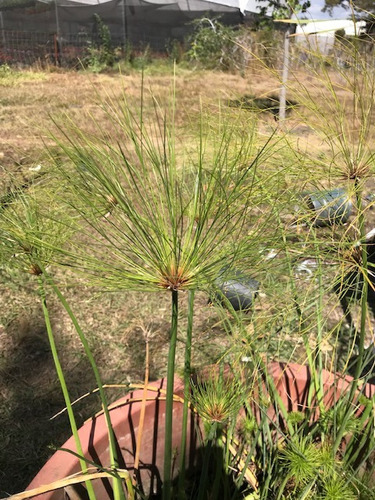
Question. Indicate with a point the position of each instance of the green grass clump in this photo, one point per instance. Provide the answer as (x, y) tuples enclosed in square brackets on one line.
[(10, 77)]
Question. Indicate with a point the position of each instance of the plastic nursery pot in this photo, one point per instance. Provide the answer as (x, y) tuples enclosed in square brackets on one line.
[(292, 381), (237, 290), (329, 207)]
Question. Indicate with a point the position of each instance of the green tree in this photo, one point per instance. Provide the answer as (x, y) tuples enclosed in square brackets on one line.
[(212, 44), (103, 51), (357, 5), (285, 9)]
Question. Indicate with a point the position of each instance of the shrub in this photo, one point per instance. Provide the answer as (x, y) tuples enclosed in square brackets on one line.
[(211, 44), (100, 52)]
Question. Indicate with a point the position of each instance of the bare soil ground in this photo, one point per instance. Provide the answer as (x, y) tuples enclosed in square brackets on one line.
[(116, 324)]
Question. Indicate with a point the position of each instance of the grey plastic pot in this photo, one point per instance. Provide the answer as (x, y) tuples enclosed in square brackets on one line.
[(237, 289), (329, 207)]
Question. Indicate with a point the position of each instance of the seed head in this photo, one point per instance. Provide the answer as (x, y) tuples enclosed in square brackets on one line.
[(217, 399), (175, 278), (35, 270)]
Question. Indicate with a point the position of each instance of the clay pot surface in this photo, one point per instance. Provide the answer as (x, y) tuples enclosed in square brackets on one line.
[(291, 380), (125, 417)]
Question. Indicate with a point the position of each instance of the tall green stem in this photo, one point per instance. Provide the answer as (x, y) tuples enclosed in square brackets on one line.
[(357, 444), (207, 455), (318, 373), (167, 484), (117, 483), (64, 388), (187, 374)]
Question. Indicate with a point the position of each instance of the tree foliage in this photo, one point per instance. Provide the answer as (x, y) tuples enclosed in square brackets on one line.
[(15, 4), (357, 5), (212, 44), (285, 9)]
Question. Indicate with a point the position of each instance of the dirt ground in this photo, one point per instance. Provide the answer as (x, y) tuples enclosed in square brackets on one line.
[(116, 324)]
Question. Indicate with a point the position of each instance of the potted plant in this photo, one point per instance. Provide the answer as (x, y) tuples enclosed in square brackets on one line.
[(155, 219), (292, 381), (148, 224)]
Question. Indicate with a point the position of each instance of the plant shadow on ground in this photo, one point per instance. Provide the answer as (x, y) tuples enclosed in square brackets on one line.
[(30, 396)]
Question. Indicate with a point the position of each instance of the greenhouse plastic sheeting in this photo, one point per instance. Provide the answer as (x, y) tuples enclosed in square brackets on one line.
[(28, 26), (75, 16)]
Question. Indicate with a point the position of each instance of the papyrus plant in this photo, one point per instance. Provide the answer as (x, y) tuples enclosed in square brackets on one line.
[(337, 103), (159, 211), (335, 95), (28, 236), (34, 227)]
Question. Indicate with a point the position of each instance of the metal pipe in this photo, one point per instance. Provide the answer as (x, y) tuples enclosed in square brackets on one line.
[(2, 29), (284, 80)]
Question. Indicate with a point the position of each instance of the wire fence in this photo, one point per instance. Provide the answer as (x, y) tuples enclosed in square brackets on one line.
[(28, 48), (25, 48)]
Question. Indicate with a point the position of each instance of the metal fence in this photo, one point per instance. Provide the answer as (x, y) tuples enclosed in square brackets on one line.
[(25, 48), (29, 34)]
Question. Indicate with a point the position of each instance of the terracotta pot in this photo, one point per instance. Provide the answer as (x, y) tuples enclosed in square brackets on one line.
[(291, 380), (125, 416)]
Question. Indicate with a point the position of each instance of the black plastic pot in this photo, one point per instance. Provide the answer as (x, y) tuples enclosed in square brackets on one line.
[(236, 289), (329, 207)]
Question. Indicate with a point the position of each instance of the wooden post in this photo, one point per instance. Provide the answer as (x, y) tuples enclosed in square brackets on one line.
[(58, 38)]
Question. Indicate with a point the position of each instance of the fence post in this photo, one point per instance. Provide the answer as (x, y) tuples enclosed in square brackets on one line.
[(124, 34), (2, 29), (56, 48), (284, 80), (58, 38)]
